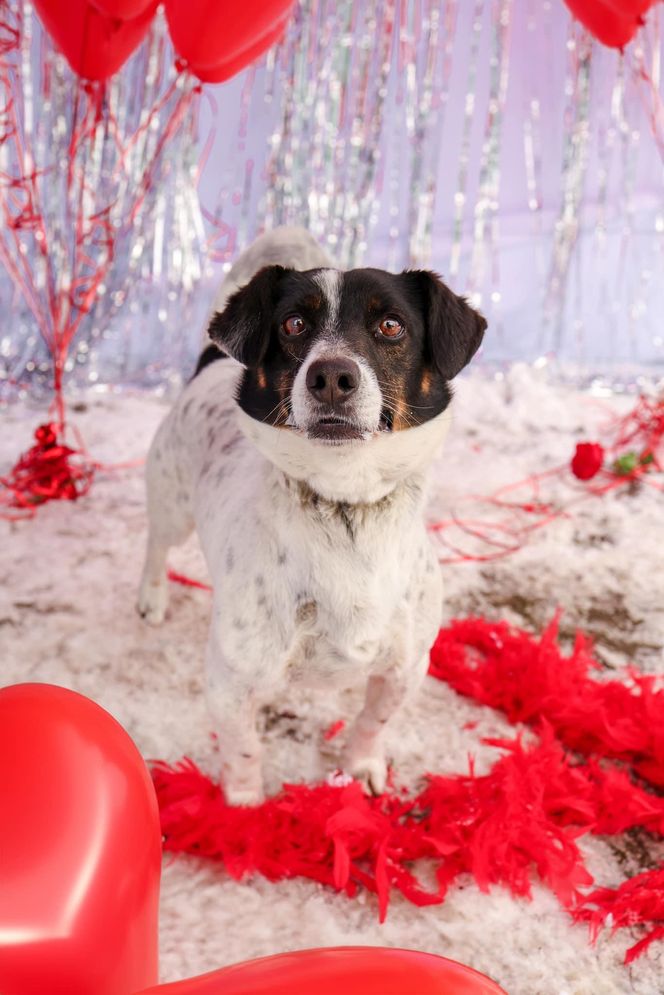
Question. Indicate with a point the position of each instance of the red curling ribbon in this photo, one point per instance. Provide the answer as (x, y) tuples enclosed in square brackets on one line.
[(634, 451), (55, 471), (49, 471), (334, 730), (178, 578)]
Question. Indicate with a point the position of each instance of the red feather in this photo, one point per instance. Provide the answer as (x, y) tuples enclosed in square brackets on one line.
[(517, 823), (529, 679)]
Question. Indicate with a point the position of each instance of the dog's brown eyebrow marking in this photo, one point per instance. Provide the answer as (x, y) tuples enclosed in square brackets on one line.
[(313, 303)]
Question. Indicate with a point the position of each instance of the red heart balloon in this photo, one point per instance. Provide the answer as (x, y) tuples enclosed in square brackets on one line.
[(80, 849), (230, 67), (339, 971), (208, 32), (125, 10), (94, 44), (632, 8), (613, 26)]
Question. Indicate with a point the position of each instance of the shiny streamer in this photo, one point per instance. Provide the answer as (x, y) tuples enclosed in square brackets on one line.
[(438, 33), (406, 133), (575, 160), (96, 197), (325, 149), (493, 141), (394, 167), (532, 130), (460, 195), (485, 233)]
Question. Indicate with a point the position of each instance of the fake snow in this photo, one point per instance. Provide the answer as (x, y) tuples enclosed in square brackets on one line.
[(67, 588)]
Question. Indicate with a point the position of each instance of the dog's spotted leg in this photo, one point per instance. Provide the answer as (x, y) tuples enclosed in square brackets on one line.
[(153, 590), (365, 752), (366, 745), (170, 523), (235, 721), (232, 704)]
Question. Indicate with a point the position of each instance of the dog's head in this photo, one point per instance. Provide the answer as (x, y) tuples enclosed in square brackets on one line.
[(343, 358)]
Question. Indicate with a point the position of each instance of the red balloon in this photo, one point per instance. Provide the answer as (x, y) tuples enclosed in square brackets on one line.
[(125, 10), (230, 67), (614, 26), (339, 971), (209, 32), (80, 849), (631, 8), (94, 45)]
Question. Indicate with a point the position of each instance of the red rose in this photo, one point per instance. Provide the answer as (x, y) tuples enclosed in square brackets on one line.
[(587, 460)]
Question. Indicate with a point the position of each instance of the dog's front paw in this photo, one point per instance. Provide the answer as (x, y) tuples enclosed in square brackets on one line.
[(243, 796), (152, 601), (371, 772)]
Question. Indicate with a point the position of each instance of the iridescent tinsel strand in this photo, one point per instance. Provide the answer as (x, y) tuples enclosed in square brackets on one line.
[(575, 159), (464, 154), (89, 166), (485, 235), (433, 85)]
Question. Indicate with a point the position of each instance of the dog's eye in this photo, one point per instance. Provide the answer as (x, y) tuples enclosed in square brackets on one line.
[(293, 325), (391, 328)]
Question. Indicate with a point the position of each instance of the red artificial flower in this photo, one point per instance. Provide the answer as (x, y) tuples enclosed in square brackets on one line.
[(587, 460)]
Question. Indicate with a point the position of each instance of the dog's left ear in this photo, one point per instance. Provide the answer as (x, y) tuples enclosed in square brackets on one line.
[(454, 329), (242, 329)]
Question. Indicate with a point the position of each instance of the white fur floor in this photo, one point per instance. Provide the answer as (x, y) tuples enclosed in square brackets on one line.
[(67, 588)]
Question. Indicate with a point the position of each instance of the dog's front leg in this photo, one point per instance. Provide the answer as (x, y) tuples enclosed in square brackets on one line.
[(385, 694), (232, 703)]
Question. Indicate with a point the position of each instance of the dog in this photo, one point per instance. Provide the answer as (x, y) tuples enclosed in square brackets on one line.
[(300, 452)]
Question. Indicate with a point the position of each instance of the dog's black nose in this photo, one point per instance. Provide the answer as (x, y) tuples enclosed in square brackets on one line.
[(333, 381)]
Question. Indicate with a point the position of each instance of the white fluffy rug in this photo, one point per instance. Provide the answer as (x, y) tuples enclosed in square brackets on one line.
[(67, 588)]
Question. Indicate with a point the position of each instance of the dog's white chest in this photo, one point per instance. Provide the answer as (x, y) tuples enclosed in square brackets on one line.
[(335, 639), (348, 571)]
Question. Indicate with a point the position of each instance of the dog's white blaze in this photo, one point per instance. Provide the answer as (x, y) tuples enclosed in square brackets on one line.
[(330, 282), (367, 405)]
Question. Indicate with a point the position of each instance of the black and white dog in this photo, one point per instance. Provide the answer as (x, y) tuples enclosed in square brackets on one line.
[(303, 466)]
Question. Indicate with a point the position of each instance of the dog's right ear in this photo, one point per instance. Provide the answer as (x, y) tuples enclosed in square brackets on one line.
[(242, 329)]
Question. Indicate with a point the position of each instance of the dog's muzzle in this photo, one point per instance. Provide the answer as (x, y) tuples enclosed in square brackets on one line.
[(333, 384)]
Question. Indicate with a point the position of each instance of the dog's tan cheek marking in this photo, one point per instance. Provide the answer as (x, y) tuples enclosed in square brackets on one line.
[(261, 378), (397, 403), (283, 387), (425, 383), (400, 418)]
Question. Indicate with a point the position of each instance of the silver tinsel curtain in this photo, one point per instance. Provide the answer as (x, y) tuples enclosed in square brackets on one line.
[(101, 226), (491, 140)]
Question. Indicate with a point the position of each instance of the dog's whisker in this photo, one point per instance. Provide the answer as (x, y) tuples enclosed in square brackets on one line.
[(390, 395), (277, 411)]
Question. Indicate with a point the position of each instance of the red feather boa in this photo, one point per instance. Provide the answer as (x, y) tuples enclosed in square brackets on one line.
[(522, 818), (529, 679)]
